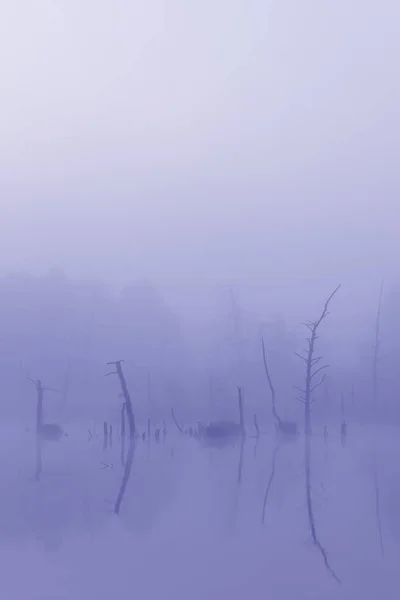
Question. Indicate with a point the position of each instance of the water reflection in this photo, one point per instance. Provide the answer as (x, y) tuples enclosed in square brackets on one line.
[(127, 474), (192, 492)]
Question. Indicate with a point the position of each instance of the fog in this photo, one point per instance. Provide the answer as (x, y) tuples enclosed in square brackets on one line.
[(182, 186)]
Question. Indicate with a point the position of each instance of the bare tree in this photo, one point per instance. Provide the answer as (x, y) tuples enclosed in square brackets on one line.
[(128, 403), (50, 431), (241, 418), (284, 427), (179, 428), (311, 372), (375, 374), (277, 418)]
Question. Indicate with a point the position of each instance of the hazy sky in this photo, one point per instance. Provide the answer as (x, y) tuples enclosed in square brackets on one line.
[(200, 141)]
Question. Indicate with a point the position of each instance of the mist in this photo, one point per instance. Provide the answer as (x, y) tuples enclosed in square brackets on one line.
[(182, 187)]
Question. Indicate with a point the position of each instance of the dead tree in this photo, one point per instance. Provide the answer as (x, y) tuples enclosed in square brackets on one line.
[(179, 428), (312, 370), (241, 418), (42, 431), (50, 431), (285, 427), (128, 403), (375, 373), (39, 404), (353, 395), (277, 418)]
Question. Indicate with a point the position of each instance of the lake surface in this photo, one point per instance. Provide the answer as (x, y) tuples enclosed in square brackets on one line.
[(196, 522)]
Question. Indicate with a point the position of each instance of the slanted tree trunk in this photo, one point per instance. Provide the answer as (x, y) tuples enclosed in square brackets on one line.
[(179, 428), (125, 393), (278, 420)]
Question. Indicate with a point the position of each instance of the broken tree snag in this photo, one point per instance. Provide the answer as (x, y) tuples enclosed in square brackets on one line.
[(42, 431), (375, 374), (179, 428), (241, 418), (125, 393), (312, 370), (50, 431)]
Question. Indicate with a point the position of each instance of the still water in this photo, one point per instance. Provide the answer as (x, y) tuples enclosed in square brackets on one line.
[(199, 522)]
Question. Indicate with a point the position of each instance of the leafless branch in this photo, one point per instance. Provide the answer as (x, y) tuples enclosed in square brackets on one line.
[(318, 370), (314, 387)]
